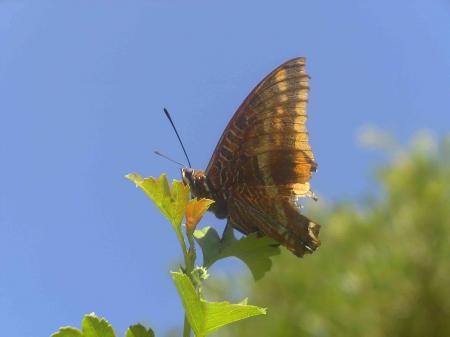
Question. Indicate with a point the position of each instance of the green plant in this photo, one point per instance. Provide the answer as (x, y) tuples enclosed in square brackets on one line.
[(383, 269), (201, 316)]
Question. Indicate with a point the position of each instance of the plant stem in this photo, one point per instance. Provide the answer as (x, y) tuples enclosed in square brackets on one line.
[(192, 255), (186, 328), (184, 249), (189, 262)]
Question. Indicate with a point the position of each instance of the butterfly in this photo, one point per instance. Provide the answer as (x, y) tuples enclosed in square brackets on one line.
[(263, 162)]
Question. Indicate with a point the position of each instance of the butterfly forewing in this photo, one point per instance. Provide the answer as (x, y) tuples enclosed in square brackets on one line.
[(263, 160), (270, 120)]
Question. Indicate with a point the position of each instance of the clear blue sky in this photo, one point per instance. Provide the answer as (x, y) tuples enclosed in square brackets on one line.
[(82, 85)]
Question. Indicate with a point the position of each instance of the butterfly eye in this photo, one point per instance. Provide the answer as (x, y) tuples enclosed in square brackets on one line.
[(187, 175)]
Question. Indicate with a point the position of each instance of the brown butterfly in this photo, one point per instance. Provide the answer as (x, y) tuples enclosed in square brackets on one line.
[(263, 162)]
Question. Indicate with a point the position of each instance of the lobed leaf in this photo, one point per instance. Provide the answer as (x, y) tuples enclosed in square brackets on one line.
[(138, 330), (67, 331), (206, 317), (222, 313), (91, 326), (254, 251), (171, 202), (194, 212)]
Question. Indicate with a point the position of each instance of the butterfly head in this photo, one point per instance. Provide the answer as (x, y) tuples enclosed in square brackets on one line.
[(201, 187), (187, 175), (196, 180)]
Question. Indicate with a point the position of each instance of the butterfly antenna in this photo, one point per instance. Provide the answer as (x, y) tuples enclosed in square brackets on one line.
[(168, 158), (176, 132)]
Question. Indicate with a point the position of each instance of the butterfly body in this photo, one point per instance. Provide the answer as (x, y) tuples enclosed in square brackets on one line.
[(263, 163), (201, 187)]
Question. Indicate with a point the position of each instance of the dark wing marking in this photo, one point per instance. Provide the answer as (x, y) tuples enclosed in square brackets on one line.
[(280, 219)]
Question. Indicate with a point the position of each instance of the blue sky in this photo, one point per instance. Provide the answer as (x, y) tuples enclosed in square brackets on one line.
[(82, 86)]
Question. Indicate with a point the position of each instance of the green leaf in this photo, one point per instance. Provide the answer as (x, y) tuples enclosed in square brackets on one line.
[(206, 317), (93, 326), (138, 330), (171, 202), (67, 331), (254, 251), (191, 301), (219, 314)]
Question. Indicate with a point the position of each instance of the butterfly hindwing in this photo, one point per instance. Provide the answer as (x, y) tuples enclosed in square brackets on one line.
[(278, 218)]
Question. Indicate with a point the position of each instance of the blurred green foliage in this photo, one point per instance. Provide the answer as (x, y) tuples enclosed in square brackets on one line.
[(384, 265)]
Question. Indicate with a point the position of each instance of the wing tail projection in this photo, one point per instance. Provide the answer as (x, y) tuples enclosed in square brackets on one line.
[(284, 223)]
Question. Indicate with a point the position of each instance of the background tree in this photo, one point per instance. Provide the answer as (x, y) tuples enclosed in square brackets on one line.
[(383, 268)]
